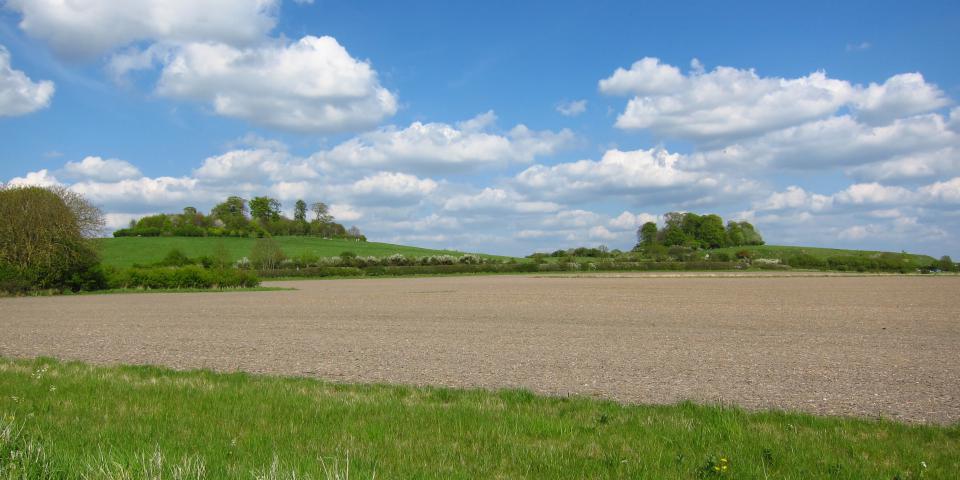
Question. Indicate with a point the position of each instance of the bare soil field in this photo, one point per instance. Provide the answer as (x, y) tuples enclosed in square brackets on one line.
[(867, 346)]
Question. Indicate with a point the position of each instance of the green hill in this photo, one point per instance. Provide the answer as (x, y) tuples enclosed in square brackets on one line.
[(126, 251), (782, 251)]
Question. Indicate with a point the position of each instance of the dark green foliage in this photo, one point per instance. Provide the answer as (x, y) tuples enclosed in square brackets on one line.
[(647, 235), (599, 252), (945, 264), (188, 277), (43, 244), (711, 233), (264, 209), (230, 219), (695, 231), (175, 258), (300, 211)]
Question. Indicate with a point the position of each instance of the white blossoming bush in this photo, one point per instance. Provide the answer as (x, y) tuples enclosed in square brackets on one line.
[(397, 260), (243, 263), (471, 259)]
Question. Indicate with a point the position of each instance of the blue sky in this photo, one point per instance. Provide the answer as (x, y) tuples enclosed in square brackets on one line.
[(499, 127)]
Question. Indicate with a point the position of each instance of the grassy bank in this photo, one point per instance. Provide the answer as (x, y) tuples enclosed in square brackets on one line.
[(126, 251), (72, 418)]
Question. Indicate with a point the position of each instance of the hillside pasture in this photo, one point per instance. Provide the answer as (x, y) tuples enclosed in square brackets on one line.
[(127, 251)]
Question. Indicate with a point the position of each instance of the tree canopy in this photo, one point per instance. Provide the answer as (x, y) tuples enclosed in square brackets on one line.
[(686, 229), (236, 217)]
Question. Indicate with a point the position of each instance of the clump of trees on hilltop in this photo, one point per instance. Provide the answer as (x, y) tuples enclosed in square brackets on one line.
[(697, 231), (237, 217)]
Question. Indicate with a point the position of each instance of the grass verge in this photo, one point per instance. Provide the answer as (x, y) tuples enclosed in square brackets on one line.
[(73, 420)]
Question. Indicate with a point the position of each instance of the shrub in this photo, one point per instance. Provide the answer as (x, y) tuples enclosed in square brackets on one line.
[(189, 277), (175, 258), (44, 237), (266, 254)]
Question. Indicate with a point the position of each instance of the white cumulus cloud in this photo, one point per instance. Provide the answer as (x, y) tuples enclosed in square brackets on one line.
[(87, 28), (19, 95), (572, 108), (312, 85), (99, 169), (441, 147), (729, 103)]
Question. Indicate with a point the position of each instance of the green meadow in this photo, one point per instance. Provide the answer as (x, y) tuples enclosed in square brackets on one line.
[(73, 420), (127, 251)]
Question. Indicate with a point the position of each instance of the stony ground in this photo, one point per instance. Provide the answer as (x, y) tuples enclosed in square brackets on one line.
[(869, 346)]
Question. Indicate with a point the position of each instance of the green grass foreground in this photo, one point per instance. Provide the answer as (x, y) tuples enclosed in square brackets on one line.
[(126, 251), (72, 420)]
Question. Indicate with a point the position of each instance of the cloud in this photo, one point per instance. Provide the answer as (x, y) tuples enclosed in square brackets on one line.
[(440, 147), (617, 173), (392, 188), (944, 193), (494, 200), (646, 76), (834, 142), (901, 95), (88, 28), (572, 108), (858, 47), (312, 85), (146, 193), (19, 95), (345, 212), (630, 221), (96, 168), (40, 178), (911, 166), (271, 162), (728, 103)]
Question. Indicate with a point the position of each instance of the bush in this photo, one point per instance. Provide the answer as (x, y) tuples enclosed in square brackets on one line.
[(188, 277), (175, 258), (720, 257), (43, 238), (266, 254)]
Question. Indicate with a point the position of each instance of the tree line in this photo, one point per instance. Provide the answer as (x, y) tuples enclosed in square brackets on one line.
[(690, 230), (237, 217)]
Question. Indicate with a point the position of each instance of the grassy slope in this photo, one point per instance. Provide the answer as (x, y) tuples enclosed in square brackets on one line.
[(777, 251), (125, 251), (235, 424)]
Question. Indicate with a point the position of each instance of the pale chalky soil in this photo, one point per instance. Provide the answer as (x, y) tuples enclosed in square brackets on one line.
[(866, 346)]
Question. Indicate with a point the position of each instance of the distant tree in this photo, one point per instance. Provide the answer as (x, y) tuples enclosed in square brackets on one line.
[(735, 234), (264, 209), (946, 264), (232, 212), (221, 256), (647, 234), (750, 234), (189, 211), (690, 223), (266, 254), (321, 212), (673, 232), (354, 232), (710, 232), (300, 211)]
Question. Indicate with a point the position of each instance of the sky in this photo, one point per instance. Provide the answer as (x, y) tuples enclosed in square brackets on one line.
[(499, 127)]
